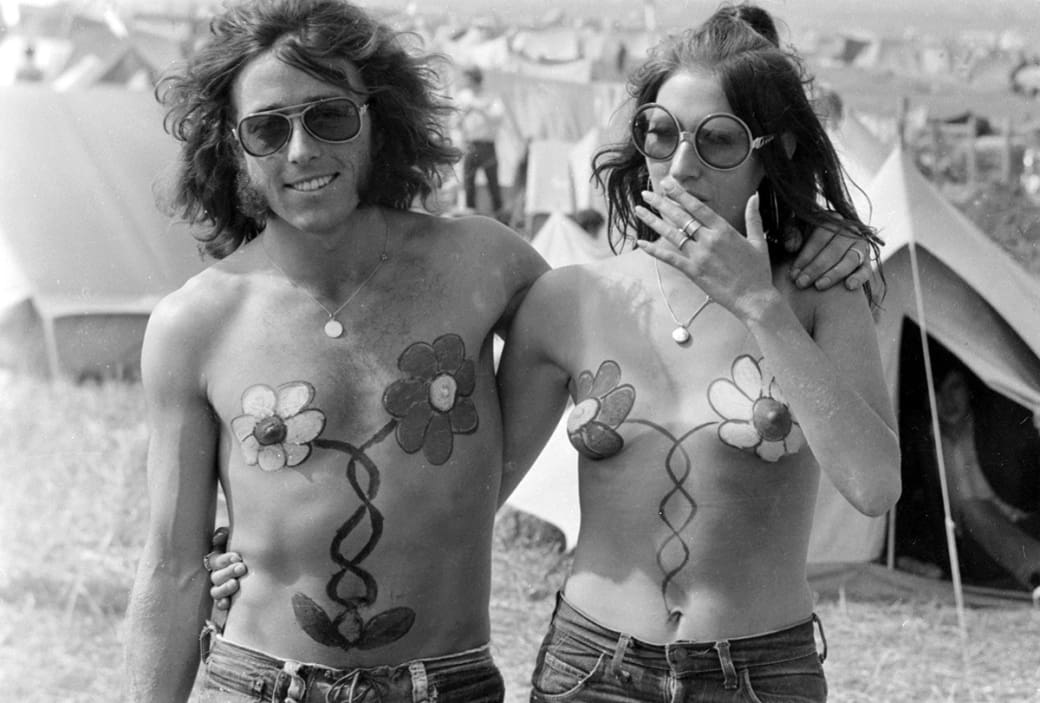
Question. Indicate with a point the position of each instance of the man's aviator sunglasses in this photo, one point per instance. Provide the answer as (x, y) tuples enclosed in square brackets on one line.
[(331, 120), (721, 141)]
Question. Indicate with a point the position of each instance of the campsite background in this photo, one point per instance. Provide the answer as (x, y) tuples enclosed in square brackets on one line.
[(79, 164)]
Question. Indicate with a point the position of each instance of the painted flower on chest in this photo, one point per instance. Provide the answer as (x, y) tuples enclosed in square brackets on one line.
[(600, 405), (755, 414), (433, 403), (277, 427)]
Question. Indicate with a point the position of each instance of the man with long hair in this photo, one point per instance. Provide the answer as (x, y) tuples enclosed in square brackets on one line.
[(332, 371)]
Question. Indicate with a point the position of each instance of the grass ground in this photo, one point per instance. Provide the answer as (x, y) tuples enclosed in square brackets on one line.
[(73, 509)]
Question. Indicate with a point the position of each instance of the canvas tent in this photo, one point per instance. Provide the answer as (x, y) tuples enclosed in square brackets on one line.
[(80, 230), (979, 307)]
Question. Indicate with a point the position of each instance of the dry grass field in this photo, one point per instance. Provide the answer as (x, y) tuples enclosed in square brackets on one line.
[(73, 509)]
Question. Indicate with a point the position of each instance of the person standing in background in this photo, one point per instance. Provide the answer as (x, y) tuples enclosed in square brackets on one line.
[(480, 117)]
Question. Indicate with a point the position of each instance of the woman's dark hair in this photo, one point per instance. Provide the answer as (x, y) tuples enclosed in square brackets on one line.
[(411, 148), (767, 87)]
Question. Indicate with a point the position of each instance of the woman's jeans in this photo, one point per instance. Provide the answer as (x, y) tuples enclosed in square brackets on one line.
[(237, 673), (581, 660)]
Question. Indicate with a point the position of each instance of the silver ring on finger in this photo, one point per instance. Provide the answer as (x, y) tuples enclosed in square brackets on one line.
[(684, 241), (206, 564), (859, 255), (685, 229)]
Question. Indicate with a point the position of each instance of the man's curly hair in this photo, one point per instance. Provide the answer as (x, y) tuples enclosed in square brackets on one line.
[(411, 146)]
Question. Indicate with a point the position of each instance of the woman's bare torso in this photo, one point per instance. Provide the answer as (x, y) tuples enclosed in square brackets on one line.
[(686, 533)]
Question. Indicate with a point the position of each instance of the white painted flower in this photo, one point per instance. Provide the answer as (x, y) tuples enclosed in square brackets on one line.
[(755, 414), (277, 427)]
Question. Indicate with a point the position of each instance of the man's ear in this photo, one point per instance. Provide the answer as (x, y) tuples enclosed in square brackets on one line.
[(789, 144)]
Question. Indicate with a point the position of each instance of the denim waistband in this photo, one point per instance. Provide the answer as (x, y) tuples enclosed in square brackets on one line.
[(685, 657), (296, 682)]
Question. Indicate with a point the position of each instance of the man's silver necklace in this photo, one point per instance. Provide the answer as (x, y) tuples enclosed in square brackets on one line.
[(334, 328), (681, 334)]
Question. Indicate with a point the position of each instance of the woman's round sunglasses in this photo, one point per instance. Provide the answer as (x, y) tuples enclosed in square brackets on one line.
[(330, 120), (721, 141)]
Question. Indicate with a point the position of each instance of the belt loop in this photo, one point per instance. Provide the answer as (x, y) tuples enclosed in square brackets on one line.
[(206, 640), (420, 683), (823, 638), (728, 670), (619, 657), (295, 686)]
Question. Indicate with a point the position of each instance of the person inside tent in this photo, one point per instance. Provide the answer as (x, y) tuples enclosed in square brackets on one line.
[(993, 535)]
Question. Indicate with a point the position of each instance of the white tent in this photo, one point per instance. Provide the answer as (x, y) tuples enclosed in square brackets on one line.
[(80, 228), (977, 303)]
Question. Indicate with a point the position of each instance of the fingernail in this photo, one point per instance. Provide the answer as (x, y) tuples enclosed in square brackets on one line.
[(802, 281), (823, 283), (234, 557), (794, 273), (240, 569)]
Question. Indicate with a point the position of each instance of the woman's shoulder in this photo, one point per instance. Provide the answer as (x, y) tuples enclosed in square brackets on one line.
[(812, 305)]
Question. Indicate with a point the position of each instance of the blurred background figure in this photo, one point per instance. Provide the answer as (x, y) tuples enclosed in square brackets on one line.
[(481, 115), (1030, 177), (28, 71)]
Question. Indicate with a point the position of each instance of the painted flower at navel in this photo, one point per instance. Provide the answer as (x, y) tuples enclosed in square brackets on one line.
[(600, 405), (432, 404), (756, 415), (277, 427)]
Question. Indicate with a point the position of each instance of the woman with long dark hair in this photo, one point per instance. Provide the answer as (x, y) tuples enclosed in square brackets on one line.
[(709, 392)]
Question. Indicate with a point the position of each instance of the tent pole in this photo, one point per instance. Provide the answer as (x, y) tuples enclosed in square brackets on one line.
[(50, 341), (951, 541), (890, 560)]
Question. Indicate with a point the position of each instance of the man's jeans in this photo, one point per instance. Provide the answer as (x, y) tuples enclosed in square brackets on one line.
[(581, 660), (236, 673)]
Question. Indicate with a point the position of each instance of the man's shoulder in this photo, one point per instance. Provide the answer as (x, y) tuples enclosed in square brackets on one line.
[(202, 301), (480, 237)]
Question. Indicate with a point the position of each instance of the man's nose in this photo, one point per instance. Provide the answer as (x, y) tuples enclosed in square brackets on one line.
[(302, 146)]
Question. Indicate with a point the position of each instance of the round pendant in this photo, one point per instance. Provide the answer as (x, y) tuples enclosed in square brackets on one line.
[(681, 335), (333, 329)]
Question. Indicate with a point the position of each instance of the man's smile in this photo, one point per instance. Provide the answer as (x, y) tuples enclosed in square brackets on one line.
[(312, 184)]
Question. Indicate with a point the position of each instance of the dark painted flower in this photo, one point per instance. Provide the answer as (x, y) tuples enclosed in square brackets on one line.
[(277, 427), (756, 415), (600, 405), (432, 404)]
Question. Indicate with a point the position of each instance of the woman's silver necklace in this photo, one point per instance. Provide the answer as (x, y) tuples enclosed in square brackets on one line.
[(334, 328), (681, 334)]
